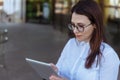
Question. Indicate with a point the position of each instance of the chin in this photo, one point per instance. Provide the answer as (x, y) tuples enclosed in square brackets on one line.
[(79, 39)]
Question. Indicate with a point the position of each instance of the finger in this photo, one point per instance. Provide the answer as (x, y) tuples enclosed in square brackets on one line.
[(54, 67)]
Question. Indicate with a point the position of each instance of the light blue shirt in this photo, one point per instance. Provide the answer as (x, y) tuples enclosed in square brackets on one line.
[(71, 63)]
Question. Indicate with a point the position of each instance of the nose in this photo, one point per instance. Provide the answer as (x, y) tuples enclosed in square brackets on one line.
[(75, 30)]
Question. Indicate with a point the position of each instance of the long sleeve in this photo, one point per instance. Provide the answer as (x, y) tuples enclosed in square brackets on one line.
[(62, 57)]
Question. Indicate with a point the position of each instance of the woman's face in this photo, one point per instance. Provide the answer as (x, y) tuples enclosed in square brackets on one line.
[(82, 20)]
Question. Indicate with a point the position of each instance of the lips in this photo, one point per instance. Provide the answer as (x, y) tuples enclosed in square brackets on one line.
[(78, 35)]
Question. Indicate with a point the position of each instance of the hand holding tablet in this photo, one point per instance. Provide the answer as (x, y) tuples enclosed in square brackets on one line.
[(45, 70)]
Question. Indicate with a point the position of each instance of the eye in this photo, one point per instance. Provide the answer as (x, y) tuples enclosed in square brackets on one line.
[(80, 25)]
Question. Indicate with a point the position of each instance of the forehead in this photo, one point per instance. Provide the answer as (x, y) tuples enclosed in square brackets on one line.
[(77, 18)]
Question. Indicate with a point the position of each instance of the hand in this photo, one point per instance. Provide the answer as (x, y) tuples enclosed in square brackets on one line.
[(54, 67), (53, 77)]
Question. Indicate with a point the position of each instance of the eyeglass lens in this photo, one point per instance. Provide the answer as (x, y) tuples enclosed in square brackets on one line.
[(80, 28)]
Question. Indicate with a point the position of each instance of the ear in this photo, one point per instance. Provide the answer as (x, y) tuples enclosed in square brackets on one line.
[(94, 26)]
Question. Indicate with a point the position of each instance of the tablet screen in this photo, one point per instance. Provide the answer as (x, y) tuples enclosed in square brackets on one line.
[(43, 69)]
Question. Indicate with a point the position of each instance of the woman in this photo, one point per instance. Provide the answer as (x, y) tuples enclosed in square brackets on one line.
[(87, 56)]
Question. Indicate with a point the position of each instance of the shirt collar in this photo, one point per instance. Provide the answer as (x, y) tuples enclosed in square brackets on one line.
[(81, 43)]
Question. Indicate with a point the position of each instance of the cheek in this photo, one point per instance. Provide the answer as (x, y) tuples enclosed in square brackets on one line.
[(89, 32)]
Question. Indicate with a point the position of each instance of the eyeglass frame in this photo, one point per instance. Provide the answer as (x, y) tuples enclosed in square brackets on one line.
[(72, 26)]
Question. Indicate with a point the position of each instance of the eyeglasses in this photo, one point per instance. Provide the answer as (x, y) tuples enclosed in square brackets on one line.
[(79, 27)]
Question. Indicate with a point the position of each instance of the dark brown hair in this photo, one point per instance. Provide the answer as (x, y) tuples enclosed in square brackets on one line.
[(92, 10)]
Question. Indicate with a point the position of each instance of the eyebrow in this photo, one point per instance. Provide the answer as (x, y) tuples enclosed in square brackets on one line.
[(78, 23)]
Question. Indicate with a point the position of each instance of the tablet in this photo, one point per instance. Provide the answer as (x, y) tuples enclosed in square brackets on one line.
[(43, 69)]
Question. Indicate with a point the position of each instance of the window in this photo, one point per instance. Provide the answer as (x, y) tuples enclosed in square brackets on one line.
[(112, 8)]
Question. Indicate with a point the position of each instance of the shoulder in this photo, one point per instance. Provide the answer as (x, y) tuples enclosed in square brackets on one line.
[(107, 49), (108, 53), (71, 41)]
